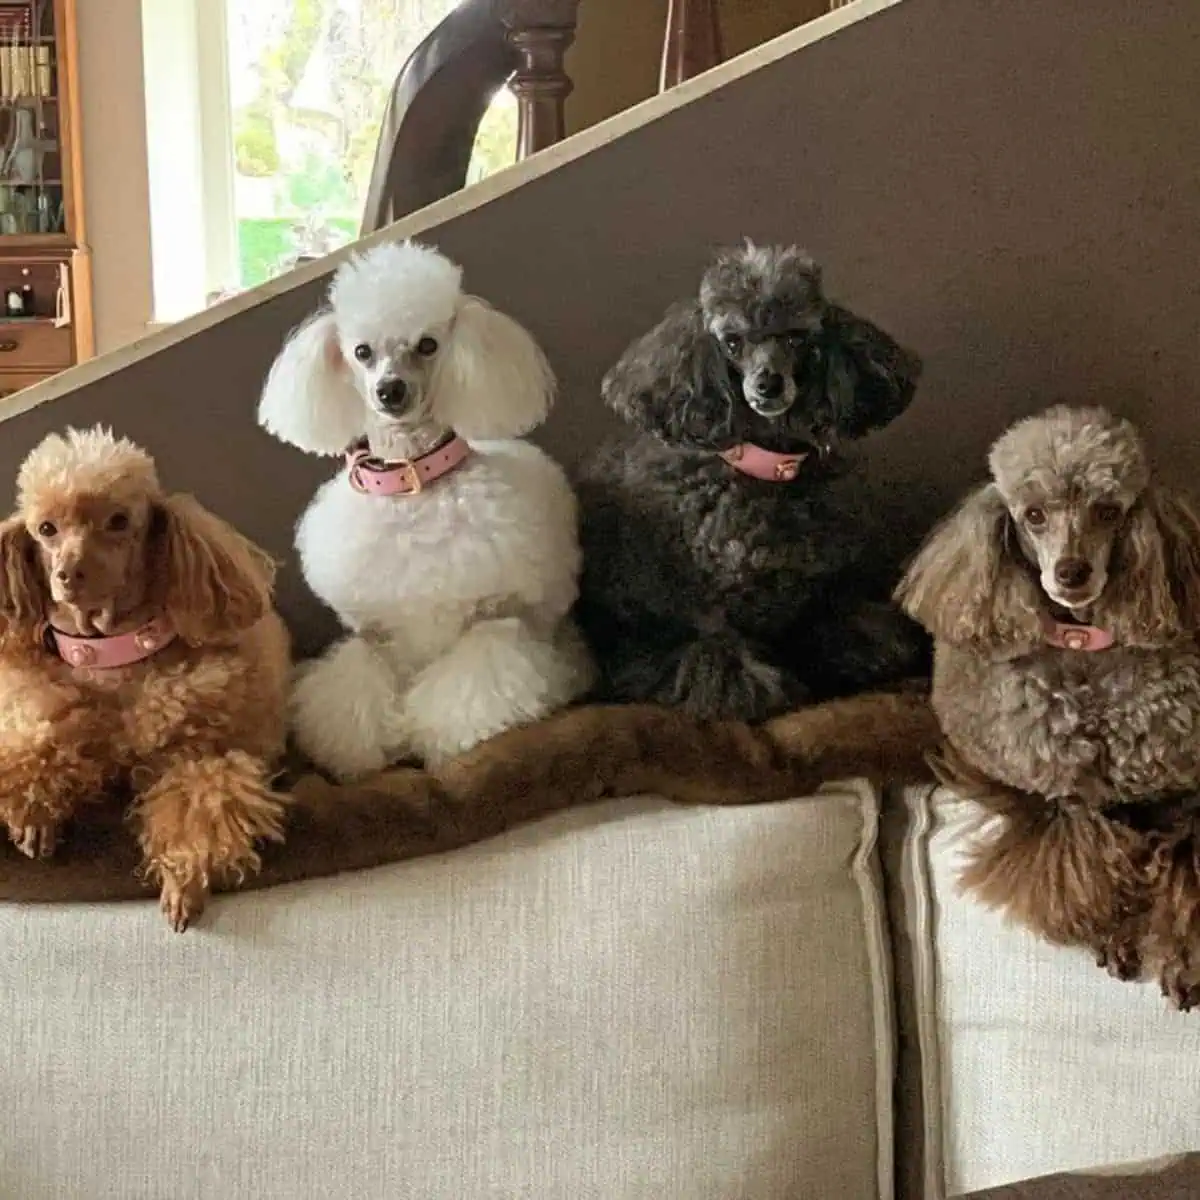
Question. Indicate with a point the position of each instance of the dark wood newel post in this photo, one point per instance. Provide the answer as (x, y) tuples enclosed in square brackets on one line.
[(541, 32), (692, 43)]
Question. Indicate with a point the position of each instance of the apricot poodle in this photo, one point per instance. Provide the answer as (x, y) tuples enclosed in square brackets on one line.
[(138, 649), (1064, 600)]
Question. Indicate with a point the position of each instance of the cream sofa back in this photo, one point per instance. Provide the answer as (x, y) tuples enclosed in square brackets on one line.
[(628, 1002)]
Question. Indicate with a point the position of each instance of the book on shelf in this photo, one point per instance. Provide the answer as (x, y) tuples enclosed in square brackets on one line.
[(43, 79), (26, 72)]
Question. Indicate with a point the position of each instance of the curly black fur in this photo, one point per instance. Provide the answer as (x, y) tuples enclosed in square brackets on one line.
[(714, 591)]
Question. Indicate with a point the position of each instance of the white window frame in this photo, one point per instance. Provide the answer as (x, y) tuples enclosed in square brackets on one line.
[(190, 153)]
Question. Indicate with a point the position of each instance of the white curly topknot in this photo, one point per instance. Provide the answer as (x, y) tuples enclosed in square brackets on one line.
[(398, 289)]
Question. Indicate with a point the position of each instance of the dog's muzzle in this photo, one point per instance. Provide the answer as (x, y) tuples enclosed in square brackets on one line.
[(393, 395), (769, 395)]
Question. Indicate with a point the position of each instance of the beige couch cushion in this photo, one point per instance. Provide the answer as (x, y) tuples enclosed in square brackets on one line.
[(1035, 1061), (630, 1001)]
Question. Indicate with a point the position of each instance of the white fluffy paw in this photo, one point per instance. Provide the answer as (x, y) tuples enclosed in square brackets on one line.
[(343, 712), (497, 676)]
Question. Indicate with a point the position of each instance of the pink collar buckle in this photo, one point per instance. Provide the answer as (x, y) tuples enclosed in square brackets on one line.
[(106, 653), (763, 464), (1076, 637), (373, 476)]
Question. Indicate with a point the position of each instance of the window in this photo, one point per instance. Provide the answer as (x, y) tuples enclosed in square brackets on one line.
[(262, 120)]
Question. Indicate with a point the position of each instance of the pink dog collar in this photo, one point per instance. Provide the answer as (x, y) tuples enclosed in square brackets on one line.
[(763, 464), (1076, 637), (407, 476), (120, 650)]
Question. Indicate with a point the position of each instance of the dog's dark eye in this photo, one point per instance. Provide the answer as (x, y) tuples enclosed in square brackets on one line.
[(1035, 517), (118, 522), (427, 346), (47, 529), (362, 352), (732, 342), (796, 342), (1107, 514)]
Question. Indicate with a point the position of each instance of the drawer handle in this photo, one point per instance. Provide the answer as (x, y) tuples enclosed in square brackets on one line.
[(9, 346)]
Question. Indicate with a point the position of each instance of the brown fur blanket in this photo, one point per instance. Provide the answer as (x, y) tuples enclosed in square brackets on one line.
[(577, 757)]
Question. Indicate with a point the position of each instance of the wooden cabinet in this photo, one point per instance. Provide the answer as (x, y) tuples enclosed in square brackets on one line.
[(45, 277)]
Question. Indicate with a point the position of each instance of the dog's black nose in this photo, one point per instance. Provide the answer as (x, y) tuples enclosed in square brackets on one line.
[(391, 392), (1072, 572), (769, 386)]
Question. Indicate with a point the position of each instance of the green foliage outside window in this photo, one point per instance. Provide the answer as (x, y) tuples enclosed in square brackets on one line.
[(311, 81)]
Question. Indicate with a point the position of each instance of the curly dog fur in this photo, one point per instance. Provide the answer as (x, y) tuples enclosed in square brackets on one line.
[(1088, 760), (96, 549), (705, 588)]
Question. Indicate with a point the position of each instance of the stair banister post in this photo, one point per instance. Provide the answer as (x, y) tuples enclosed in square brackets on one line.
[(692, 43), (541, 32)]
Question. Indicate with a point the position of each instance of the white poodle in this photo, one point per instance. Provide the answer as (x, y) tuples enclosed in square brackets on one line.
[(452, 559)]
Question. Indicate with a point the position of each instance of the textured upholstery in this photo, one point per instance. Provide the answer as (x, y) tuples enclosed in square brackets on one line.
[(627, 1002)]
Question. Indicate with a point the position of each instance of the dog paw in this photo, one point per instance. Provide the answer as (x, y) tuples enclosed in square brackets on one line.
[(36, 839), (1181, 986), (182, 903), (1122, 960)]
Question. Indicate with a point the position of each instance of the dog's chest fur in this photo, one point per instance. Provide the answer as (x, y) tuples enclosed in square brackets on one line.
[(502, 526), (690, 529), (1106, 727)]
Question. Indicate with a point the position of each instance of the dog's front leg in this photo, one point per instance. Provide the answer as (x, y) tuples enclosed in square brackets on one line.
[(500, 674), (200, 817), (41, 788), (53, 760), (345, 708)]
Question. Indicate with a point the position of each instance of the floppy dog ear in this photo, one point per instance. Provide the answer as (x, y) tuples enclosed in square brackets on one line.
[(672, 381), (211, 581), (1154, 593), (966, 586), (869, 377), (493, 379), (310, 399), (24, 597)]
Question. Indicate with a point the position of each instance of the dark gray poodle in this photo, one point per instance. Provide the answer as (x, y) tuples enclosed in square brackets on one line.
[(728, 563)]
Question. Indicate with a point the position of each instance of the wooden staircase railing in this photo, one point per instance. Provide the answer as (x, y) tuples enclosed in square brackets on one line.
[(434, 110), (541, 32), (447, 84), (692, 43)]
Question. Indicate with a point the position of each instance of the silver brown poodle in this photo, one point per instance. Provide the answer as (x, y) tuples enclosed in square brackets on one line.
[(1064, 600), (729, 566)]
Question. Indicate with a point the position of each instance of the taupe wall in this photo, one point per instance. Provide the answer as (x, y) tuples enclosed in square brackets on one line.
[(615, 60), (1013, 189)]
